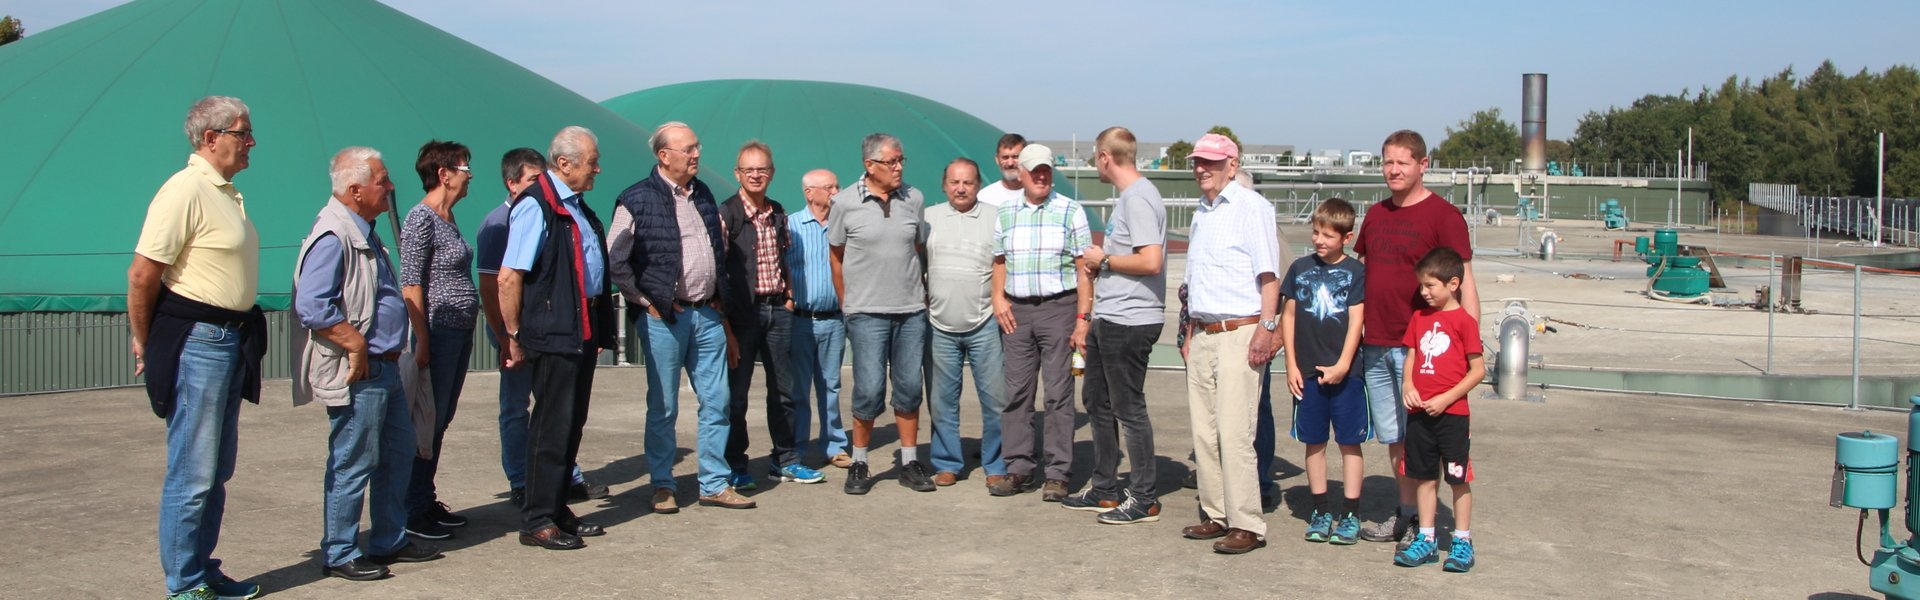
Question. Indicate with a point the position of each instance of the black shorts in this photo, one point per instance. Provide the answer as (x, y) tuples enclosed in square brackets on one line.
[(1437, 446)]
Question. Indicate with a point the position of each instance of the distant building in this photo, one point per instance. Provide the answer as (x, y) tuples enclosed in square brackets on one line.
[(1076, 153)]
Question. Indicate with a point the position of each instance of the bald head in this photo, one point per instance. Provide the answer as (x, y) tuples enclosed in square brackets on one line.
[(819, 186)]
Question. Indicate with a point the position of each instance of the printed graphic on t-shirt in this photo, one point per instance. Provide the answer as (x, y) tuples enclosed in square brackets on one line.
[(1323, 292), (1433, 343)]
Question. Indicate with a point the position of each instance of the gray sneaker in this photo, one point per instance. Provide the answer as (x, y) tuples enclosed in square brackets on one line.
[(1394, 529)]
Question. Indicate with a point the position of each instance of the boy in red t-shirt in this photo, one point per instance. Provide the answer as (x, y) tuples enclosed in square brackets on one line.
[(1444, 364)]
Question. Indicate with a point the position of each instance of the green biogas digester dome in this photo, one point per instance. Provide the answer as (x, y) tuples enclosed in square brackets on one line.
[(93, 111), (814, 125)]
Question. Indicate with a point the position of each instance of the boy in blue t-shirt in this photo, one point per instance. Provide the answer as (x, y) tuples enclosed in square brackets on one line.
[(1320, 325)]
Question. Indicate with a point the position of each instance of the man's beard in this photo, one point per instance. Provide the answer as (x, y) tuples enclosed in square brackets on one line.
[(1011, 177)]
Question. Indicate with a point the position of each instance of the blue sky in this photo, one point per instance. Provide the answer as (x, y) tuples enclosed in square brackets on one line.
[(1317, 75)]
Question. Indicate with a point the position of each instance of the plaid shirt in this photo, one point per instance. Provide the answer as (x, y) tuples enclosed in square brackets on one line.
[(766, 252), (1040, 243)]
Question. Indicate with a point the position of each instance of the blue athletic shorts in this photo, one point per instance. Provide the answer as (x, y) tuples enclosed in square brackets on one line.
[(1341, 407)]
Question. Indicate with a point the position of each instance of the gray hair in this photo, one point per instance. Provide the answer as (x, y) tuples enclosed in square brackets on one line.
[(571, 142), (210, 113), (871, 146), (658, 141), (351, 167)]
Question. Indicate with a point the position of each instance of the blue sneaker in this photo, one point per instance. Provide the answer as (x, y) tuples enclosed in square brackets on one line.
[(1421, 552), (1460, 558), (1347, 531), (226, 588), (800, 474), (742, 481), (1319, 526)]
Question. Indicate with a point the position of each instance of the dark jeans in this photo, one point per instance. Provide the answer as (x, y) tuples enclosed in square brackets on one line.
[(766, 335), (448, 351), (1116, 400), (1039, 345), (1263, 434), (562, 385)]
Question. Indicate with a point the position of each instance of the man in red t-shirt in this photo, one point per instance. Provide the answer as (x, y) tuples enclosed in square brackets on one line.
[(1394, 235), (1444, 365)]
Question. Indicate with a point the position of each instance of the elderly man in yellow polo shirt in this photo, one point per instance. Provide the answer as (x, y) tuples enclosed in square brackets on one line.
[(199, 338)]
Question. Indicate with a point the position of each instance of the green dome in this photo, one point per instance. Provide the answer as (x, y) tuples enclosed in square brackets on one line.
[(93, 113), (813, 125)]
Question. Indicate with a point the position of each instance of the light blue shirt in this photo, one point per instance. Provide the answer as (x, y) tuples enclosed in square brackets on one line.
[(317, 304), (1233, 242), (807, 263), (528, 228)]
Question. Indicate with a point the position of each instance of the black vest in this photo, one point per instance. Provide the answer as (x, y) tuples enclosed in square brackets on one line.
[(743, 266), (655, 257), (552, 304)]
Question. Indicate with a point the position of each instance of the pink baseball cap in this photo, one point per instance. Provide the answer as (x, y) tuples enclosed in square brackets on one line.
[(1214, 146)]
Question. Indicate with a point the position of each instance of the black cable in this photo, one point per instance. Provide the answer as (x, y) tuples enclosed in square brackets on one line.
[(1857, 531)]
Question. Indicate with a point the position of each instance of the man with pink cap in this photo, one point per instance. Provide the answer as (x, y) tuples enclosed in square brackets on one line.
[(1233, 256)]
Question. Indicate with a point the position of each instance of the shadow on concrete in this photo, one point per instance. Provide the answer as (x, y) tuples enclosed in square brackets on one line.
[(291, 576), (1838, 596)]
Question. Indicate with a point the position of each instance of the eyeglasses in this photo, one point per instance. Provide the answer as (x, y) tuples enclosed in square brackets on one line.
[(755, 170), (891, 164), (245, 134), (463, 169), (694, 149)]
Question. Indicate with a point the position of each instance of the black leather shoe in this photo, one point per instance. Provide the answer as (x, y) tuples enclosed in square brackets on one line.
[(408, 553), (583, 529), (518, 496), (551, 538), (359, 569), (859, 480), (581, 492)]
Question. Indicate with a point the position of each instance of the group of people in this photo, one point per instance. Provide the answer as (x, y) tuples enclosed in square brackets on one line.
[(1003, 279)]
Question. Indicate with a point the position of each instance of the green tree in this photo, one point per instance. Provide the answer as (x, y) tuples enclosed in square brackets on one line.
[(11, 30), (1482, 136), (1226, 131), (1177, 154)]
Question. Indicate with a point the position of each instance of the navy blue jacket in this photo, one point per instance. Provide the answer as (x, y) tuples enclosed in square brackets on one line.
[(555, 312), (655, 258)]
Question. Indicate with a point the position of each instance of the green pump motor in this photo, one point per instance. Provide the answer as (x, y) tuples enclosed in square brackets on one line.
[(1673, 274)]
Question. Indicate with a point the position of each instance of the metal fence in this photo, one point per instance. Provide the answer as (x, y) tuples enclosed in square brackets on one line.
[(1872, 221)]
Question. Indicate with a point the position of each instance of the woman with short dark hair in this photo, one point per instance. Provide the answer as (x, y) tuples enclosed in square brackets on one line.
[(436, 278)]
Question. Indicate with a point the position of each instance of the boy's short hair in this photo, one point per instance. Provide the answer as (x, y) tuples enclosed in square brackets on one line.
[(1443, 264), (1335, 214)]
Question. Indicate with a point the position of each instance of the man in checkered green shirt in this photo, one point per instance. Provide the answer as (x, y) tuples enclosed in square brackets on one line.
[(1042, 298)]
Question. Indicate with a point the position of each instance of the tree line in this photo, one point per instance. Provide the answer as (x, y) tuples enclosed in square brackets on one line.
[(1819, 132)]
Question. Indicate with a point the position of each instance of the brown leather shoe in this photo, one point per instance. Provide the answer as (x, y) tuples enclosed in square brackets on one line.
[(945, 478), (1206, 530), (551, 538), (1000, 485), (841, 460), (727, 498), (663, 502), (1239, 541), (1054, 491)]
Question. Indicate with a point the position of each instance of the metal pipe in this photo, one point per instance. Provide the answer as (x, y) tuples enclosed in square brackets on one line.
[(1533, 122), (1773, 299), (1510, 380), (1854, 404)]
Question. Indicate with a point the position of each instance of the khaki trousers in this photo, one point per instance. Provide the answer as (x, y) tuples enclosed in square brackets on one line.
[(1223, 398)]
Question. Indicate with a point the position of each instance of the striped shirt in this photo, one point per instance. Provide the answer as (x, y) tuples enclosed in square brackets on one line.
[(807, 263), (1233, 241), (1040, 243)]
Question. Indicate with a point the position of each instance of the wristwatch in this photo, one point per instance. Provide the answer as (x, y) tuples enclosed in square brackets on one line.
[(1083, 316), (1104, 261), (1270, 325)]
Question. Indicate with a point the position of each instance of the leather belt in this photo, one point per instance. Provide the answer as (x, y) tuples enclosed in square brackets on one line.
[(390, 356), (809, 314), (1224, 326), (1036, 300), (693, 303), (775, 299)]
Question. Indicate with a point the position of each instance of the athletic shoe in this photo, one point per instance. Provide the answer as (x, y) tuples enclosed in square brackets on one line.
[(198, 593), (1393, 529), (915, 476), (1460, 557), (439, 513), (742, 481), (1319, 527), (799, 473), (859, 481), (1421, 551), (1133, 510), (425, 527), (1090, 500), (225, 588), (1345, 530)]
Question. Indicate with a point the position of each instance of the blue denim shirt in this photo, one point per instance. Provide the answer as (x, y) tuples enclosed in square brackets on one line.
[(527, 228), (317, 303)]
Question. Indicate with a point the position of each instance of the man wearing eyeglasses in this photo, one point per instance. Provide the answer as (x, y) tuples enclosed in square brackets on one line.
[(877, 241), (667, 246), (199, 338), (1042, 298), (819, 333), (758, 309)]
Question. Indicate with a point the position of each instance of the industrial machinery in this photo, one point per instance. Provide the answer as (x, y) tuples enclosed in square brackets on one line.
[(1865, 476), (1670, 274), (1612, 215), (1517, 329), (1525, 210)]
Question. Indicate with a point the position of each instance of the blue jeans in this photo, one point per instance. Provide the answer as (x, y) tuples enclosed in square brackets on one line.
[(694, 341), (886, 347), (449, 349), (203, 435), (819, 347), (516, 398), (981, 349), (370, 450), (1383, 367)]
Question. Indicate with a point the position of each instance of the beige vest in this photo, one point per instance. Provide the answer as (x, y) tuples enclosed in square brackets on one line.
[(319, 365)]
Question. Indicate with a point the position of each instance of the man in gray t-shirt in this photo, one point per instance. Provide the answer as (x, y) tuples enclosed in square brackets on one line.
[(875, 239), (1129, 307)]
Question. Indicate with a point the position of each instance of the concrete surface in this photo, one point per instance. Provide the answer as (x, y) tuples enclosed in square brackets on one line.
[(1586, 495)]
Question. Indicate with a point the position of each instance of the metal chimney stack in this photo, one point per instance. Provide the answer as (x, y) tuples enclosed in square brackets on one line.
[(1533, 123)]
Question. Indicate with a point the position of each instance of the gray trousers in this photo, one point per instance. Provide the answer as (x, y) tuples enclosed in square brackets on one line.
[(1039, 345)]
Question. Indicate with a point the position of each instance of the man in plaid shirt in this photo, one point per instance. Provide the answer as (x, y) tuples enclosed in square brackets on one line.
[(1042, 298)]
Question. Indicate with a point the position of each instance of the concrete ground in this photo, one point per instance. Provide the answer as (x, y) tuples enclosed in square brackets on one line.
[(1585, 495)]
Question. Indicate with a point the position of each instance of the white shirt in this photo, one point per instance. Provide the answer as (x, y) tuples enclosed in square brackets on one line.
[(996, 194), (1233, 241)]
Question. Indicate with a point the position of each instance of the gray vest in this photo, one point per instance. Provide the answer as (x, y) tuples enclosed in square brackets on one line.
[(319, 365)]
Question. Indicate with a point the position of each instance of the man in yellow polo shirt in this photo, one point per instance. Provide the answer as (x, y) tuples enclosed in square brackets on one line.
[(199, 338)]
